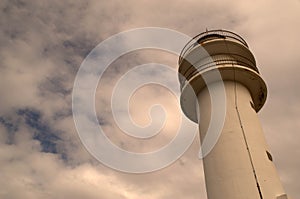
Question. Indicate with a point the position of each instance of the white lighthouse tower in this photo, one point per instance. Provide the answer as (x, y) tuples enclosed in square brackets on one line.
[(240, 165)]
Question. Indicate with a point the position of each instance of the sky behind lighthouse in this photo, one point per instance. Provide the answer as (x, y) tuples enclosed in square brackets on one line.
[(43, 44)]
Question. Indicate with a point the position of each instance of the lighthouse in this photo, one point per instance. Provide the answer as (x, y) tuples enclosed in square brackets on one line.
[(240, 164)]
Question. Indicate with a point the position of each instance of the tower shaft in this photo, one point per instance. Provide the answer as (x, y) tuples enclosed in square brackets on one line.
[(240, 164)]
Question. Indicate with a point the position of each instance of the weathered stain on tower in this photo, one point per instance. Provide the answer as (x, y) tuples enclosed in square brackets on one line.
[(240, 165)]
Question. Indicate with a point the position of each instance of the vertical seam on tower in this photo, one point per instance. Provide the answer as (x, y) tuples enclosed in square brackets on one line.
[(242, 128)]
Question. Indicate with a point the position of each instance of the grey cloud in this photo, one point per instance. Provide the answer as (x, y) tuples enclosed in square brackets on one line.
[(42, 46)]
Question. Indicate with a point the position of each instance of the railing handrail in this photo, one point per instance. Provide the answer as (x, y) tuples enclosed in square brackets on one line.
[(213, 63), (220, 32)]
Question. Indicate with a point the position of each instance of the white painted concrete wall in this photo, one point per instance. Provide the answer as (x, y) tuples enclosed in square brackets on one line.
[(232, 170)]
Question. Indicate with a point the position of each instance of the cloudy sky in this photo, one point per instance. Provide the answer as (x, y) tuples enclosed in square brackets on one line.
[(43, 44)]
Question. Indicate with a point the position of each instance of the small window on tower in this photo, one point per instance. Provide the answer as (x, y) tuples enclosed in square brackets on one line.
[(269, 155)]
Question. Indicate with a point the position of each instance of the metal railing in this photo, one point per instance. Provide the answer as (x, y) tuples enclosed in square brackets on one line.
[(192, 71), (205, 36)]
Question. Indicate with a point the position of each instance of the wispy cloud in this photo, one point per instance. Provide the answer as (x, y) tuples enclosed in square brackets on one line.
[(42, 44)]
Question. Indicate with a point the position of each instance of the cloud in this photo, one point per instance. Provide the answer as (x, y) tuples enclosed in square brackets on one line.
[(42, 46)]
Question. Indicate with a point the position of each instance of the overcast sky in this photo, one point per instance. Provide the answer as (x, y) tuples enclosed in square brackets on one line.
[(43, 44)]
